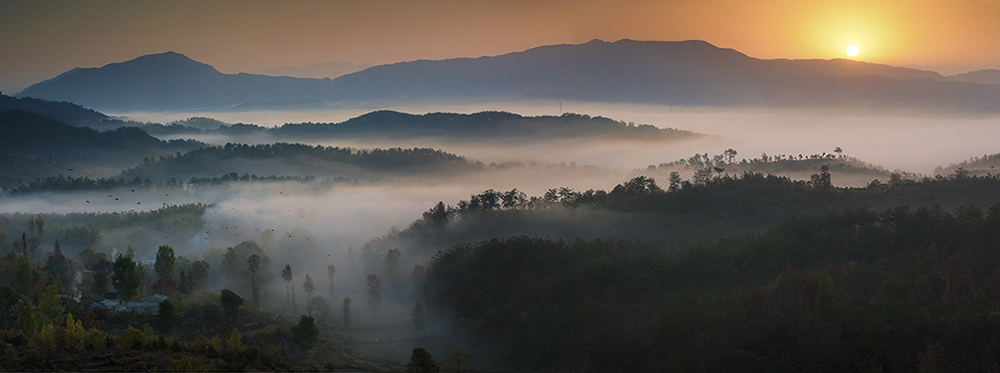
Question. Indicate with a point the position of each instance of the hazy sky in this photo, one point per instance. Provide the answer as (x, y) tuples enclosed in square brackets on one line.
[(40, 39)]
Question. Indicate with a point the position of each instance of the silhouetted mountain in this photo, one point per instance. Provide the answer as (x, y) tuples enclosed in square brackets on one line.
[(36, 146), (170, 81), (981, 76), (649, 72), (686, 73), (329, 69)]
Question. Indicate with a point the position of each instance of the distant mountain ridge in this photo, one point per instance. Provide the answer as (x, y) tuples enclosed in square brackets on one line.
[(329, 69), (170, 81), (693, 72)]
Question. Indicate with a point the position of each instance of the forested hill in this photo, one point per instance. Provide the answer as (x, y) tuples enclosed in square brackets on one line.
[(482, 127), (639, 209), (299, 160), (489, 125), (898, 277), (35, 145), (62, 111)]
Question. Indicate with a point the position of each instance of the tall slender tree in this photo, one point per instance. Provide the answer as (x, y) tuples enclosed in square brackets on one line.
[(253, 264), (308, 285), (286, 274), (330, 271)]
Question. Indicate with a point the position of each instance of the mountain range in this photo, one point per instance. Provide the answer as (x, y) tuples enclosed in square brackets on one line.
[(693, 73)]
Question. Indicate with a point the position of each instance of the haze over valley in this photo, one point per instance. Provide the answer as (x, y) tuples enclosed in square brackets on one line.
[(572, 196)]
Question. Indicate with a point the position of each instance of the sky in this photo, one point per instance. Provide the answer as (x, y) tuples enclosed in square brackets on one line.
[(40, 39)]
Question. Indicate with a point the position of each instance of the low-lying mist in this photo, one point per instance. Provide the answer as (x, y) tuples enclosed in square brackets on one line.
[(904, 139)]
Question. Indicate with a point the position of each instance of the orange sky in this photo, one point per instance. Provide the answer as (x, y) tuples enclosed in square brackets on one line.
[(40, 39)]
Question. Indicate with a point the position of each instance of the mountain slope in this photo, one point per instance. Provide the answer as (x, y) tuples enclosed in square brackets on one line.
[(61, 111), (991, 76), (38, 146), (170, 81)]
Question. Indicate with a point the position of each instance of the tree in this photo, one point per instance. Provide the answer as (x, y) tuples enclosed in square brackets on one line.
[(57, 264), (100, 286), (286, 274), (822, 179), (702, 176), (26, 322), (230, 303), (421, 361), (50, 306), (391, 262), (730, 155), (347, 312), (330, 271), (167, 315), (253, 264), (231, 264), (318, 307), (304, 333), (127, 276), (308, 286), (418, 317), (455, 361), (350, 256), (374, 293), (199, 274), (675, 181), (165, 265), (90, 258)]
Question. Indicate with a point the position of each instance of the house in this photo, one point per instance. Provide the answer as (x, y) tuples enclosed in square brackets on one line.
[(149, 304)]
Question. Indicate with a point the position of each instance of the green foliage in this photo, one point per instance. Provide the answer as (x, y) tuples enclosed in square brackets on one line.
[(304, 333), (27, 321), (50, 307), (132, 338), (230, 303), (167, 315), (127, 275), (455, 362), (186, 364), (165, 261), (421, 361)]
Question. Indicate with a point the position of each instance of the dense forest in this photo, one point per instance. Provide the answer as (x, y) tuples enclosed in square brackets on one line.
[(858, 290), (299, 160)]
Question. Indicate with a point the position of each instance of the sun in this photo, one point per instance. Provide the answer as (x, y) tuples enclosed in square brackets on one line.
[(853, 50)]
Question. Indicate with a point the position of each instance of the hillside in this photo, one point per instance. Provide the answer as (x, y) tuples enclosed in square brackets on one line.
[(285, 159), (38, 146), (693, 73), (62, 111), (170, 81)]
